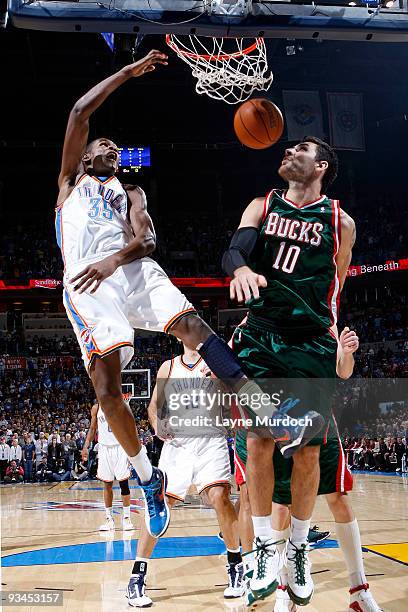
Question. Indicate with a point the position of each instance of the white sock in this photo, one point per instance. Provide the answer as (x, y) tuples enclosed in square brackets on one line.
[(299, 530), (348, 535), (262, 527), (108, 512), (280, 535), (126, 511), (142, 465)]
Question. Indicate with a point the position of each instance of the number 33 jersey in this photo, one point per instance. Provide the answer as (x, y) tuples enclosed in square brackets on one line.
[(92, 222), (296, 252)]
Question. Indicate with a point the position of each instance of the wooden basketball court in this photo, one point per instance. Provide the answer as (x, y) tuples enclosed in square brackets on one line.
[(51, 540)]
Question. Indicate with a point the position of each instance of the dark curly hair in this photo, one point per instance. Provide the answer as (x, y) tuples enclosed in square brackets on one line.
[(325, 153)]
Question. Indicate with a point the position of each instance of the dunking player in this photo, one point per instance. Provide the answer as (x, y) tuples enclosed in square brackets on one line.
[(335, 481), (189, 456), (110, 285), (288, 260), (113, 465)]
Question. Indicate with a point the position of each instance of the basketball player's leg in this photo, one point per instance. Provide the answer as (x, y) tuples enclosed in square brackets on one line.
[(348, 535), (135, 592), (109, 523), (304, 487), (245, 526), (127, 524), (106, 378), (218, 497)]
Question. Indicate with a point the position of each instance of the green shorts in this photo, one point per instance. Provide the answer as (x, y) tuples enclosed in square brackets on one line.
[(334, 473), (268, 355)]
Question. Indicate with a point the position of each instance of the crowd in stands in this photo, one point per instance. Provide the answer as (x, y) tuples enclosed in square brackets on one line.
[(379, 443), (194, 246)]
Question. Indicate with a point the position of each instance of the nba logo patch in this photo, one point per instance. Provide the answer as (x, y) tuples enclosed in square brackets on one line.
[(86, 335)]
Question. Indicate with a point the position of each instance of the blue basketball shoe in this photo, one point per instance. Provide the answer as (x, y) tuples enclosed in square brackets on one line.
[(157, 512)]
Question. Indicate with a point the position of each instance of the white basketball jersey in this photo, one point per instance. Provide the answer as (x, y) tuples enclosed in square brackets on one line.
[(92, 222), (184, 379), (105, 436)]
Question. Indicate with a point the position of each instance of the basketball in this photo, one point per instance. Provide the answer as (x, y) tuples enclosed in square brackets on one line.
[(258, 123)]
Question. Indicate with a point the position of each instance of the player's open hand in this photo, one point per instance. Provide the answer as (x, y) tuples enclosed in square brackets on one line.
[(164, 431), (349, 340), (147, 64), (84, 454), (94, 274), (245, 284)]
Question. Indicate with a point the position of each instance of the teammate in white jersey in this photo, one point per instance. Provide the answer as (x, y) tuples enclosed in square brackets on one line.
[(113, 465), (191, 455), (111, 286)]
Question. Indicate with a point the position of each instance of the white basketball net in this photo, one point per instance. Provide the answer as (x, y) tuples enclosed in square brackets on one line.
[(230, 76)]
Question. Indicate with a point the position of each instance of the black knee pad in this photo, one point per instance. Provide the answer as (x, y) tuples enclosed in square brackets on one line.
[(124, 487)]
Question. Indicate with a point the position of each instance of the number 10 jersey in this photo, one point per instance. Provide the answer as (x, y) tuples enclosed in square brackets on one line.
[(296, 252)]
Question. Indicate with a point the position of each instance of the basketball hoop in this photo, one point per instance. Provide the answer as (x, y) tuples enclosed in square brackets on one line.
[(127, 397), (225, 68)]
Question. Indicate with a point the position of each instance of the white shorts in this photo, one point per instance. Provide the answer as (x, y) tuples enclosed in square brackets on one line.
[(203, 463), (113, 463), (137, 295)]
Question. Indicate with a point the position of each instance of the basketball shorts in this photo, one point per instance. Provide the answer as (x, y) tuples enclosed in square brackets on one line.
[(335, 477), (113, 463), (201, 462), (268, 355), (138, 295)]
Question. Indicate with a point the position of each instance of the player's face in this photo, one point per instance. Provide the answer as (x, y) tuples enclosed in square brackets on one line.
[(299, 163), (104, 157)]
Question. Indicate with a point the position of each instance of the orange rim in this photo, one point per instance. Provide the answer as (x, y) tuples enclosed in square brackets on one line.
[(211, 58)]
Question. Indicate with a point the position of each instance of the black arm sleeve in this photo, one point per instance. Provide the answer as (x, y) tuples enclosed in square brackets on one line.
[(242, 244)]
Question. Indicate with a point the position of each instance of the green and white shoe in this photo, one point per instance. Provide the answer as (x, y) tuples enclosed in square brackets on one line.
[(268, 563), (249, 596), (300, 584)]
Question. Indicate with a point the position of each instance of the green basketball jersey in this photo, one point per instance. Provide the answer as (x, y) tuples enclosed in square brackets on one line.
[(296, 252)]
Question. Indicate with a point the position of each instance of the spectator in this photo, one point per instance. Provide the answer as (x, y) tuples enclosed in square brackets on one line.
[(54, 454), (14, 473), (378, 454), (4, 457), (28, 453), (80, 445), (70, 448), (41, 448), (16, 454), (60, 471), (43, 473)]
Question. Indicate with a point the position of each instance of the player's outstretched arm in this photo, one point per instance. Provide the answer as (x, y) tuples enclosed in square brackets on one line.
[(244, 282), (348, 238), (347, 345), (91, 432), (76, 135)]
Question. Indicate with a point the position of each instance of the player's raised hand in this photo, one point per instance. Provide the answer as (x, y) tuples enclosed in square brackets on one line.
[(94, 274), (245, 284), (349, 340), (147, 63)]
